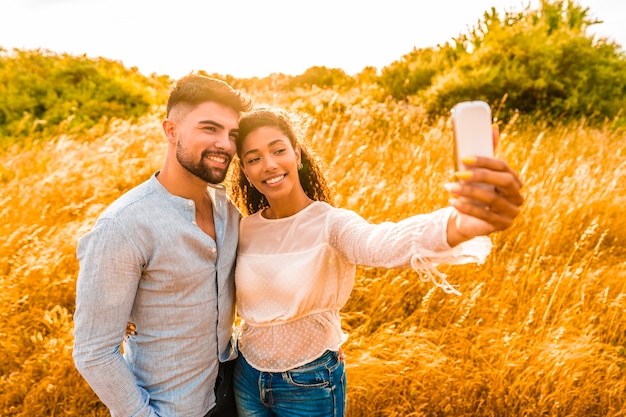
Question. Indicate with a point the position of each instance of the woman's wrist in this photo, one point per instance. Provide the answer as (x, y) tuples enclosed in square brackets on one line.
[(453, 234)]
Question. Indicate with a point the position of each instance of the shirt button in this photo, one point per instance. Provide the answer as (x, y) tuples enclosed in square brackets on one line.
[(213, 250), (193, 222), (190, 203)]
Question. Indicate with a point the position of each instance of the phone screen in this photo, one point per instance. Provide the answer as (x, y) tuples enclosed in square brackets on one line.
[(472, 130)]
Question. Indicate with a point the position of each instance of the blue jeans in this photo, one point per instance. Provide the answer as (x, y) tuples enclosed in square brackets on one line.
[(317, 389)]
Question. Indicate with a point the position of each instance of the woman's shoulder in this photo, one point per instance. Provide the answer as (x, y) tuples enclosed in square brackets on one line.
[(332, 214), (322, 208), (315, 212), (251, 218)]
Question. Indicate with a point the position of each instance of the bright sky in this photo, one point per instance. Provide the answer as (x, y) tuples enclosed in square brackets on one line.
[(246, 38)]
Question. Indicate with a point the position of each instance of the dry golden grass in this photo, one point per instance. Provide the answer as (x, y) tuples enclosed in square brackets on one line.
[(538, 331)]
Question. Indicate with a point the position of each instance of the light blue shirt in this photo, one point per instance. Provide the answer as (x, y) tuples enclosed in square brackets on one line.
[(147, 261)]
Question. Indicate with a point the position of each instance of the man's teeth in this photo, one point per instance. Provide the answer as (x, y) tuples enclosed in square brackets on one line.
[(275, 179), (221, 160)]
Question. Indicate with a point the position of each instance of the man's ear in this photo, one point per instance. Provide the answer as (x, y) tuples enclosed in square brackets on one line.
[(169, 128)]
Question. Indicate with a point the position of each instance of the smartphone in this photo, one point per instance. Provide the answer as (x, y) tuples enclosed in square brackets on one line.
[(471, 121)]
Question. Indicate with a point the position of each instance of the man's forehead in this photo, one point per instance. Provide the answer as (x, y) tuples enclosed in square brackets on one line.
[(210, 111)]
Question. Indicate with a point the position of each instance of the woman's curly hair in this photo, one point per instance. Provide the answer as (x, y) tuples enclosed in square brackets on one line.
[(293, 126)]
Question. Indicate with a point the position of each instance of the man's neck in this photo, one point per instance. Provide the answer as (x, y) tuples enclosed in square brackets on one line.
[(183, 184)]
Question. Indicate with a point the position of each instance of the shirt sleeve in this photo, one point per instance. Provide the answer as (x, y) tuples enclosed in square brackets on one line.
[(418, 242), (109, 274)]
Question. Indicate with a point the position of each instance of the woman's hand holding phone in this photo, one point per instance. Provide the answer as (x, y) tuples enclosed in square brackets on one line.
[(487, 194)]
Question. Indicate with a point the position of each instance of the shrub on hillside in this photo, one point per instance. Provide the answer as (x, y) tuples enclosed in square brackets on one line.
[(40, 89), (322, 77), (541, 60), (416, 70)]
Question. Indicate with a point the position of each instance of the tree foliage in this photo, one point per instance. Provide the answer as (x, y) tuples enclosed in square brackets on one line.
[(535, 61), (321, 76), (40, 89)]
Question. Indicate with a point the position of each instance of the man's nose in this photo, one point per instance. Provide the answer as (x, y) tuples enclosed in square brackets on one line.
[(224, 142)]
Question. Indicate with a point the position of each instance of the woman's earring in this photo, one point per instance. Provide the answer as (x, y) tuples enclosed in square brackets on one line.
[(300, 166)]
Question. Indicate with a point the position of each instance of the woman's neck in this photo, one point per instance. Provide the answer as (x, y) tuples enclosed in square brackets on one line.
[(288, 207)]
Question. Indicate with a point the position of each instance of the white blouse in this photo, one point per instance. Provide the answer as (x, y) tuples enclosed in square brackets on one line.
[(294, 274)]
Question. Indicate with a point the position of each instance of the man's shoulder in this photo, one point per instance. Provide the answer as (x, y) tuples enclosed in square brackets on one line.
[(136, 199)]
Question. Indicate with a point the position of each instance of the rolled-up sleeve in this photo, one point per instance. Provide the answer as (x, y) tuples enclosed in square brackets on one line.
[(110, 270), (418, 242)]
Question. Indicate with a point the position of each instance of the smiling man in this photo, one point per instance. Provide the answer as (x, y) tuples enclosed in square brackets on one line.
[(162, 256)]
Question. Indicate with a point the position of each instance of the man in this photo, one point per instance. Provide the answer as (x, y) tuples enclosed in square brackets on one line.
[(162, 257)]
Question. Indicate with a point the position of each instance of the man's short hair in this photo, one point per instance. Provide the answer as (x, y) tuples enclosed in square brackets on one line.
[(194, 89)]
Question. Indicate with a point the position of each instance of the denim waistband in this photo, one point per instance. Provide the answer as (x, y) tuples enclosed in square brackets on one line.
[(326, 357)]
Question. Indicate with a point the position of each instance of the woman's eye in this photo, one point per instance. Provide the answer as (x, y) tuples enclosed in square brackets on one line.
[(279, 151), (253, 160)]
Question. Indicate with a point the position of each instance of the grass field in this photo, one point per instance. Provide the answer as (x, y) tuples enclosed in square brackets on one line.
[(539, 329)]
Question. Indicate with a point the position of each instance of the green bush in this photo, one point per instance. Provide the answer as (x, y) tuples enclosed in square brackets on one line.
[(416, 70), (322, 77), (40, 89), (538, 61)]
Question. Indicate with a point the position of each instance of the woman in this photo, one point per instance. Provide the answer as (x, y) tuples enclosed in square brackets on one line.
[(297, 260)]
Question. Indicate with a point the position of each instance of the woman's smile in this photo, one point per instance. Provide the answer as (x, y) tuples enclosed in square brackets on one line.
[(274, 180)]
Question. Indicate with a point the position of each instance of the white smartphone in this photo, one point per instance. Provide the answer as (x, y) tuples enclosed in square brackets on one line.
[(471, 121)]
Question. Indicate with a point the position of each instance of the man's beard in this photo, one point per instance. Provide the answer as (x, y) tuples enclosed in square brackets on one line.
[(200, 169)]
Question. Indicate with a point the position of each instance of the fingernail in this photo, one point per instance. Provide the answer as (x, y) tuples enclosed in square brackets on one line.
[(452, 187), (469, 160), (464, 175)]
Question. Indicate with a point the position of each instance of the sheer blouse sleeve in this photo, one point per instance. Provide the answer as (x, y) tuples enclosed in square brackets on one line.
[(418, 242)]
